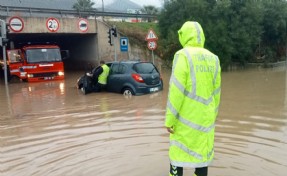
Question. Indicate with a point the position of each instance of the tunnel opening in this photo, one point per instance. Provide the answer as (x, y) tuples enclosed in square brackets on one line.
[(82, 47)]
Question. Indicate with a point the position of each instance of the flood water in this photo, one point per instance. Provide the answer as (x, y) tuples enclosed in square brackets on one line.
[(51, 129)]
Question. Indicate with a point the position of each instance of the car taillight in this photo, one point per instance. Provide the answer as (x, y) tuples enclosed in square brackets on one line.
[(137, 78)]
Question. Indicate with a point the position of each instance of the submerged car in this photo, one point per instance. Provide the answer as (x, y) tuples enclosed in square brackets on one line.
[(132, 78)]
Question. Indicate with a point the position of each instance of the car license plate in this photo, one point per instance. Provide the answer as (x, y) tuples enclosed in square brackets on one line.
[(154, 89), (48, 78)]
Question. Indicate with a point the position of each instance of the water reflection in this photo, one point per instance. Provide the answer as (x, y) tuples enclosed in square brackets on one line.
[(52, 129), (250, 134)]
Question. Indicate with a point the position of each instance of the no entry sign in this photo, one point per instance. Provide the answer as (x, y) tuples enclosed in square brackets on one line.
[(16, 24), (83, 25)]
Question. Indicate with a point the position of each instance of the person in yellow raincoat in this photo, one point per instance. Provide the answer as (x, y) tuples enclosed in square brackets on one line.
[(193, 102)]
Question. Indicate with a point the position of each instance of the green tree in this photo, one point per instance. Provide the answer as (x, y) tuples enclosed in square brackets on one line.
[(237, 31), (245, 29), (217, 32), (175, 13), (151, 10), (275, 30), (83, 5)]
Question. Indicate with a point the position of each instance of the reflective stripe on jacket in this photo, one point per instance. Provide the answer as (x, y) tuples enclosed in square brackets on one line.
[(104, 75), (193, 100)]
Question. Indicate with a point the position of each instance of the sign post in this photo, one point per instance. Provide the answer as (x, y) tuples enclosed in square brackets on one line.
[(115, 35), (3, 37), (151, 38)]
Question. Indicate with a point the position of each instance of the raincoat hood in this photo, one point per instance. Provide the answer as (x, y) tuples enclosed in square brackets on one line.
[(191, 34)]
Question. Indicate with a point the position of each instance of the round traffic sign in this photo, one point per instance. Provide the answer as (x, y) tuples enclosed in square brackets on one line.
[(152, 45), (16, 24), (52, 24), (83, 25)]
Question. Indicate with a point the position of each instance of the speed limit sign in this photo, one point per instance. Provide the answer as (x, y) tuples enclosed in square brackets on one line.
[(52, 24), (152, 45)]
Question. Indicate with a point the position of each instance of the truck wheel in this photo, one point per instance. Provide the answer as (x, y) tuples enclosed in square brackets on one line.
[(13, 79)]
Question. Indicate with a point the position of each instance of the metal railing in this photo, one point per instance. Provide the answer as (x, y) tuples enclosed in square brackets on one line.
[(7, 11)]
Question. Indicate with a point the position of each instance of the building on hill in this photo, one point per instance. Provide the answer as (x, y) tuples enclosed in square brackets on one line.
[(124, 6)]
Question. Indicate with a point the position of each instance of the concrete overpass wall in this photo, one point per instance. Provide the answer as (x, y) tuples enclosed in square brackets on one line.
[(66, 25)]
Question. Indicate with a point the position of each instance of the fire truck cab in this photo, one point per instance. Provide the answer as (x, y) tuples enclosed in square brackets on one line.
[(35, 63)]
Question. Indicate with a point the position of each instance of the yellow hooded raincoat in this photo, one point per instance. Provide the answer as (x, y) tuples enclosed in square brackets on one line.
[(193, 100)]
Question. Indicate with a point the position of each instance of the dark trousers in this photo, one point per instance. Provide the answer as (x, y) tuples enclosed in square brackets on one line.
[(99, 87), (92, 86), (178, 171)]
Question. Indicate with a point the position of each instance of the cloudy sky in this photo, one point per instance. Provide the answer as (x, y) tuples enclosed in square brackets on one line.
[(156, 3)]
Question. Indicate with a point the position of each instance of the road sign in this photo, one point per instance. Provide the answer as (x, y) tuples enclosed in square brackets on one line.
[(151, 36), (152, 45), (83, 25), (124, 43), (52, 24), (16, 24)]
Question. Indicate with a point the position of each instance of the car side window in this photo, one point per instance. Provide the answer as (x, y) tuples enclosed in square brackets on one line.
[(122, 69), (145, 68), (118, 69)]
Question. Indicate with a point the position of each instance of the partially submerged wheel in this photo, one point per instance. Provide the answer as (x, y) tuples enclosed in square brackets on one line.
[(83, 90), (14, 79), (128, 92)]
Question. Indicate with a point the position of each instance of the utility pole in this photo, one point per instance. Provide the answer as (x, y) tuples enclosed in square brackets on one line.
[(103, 6), (115, 35), (3, 42)]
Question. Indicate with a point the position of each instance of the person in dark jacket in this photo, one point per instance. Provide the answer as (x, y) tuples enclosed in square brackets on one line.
[(98, 78)]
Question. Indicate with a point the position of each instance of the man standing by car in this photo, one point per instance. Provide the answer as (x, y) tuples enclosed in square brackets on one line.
[(99, 77), (101, 74), (193, 101)]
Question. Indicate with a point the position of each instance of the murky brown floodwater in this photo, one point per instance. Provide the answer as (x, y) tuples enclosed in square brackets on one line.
[(51, 129)]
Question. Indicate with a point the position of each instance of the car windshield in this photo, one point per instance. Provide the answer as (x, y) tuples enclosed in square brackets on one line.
[(43, 55), (145, 68)]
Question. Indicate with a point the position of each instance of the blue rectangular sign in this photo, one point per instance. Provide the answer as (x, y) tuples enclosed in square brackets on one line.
[(124, 44)]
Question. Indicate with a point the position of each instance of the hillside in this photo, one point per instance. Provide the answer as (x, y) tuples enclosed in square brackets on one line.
[(136, 31)]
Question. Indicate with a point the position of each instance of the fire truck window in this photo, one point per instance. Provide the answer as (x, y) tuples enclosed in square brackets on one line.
[(43, 55), (14, 56), (34, 55), (54, 55)]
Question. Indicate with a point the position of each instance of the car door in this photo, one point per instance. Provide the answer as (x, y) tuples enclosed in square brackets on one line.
[(116, 78)]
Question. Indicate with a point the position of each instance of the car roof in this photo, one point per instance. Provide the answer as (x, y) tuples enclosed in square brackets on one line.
[(132, 62), (127, 62)]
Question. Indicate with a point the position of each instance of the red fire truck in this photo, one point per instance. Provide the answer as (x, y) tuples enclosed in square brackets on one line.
[(35, 63)]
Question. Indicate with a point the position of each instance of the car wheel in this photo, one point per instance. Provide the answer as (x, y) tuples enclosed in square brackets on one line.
[(83, 90), (79, 86), (128, 92)]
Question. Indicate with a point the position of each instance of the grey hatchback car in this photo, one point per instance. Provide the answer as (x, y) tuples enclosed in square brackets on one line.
[(133, 78)]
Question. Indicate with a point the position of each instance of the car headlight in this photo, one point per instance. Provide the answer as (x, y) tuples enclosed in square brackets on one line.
[(30, 75), (61, 73)]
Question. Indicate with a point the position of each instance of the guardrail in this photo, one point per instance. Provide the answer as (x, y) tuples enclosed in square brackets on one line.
[(7, 11)]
